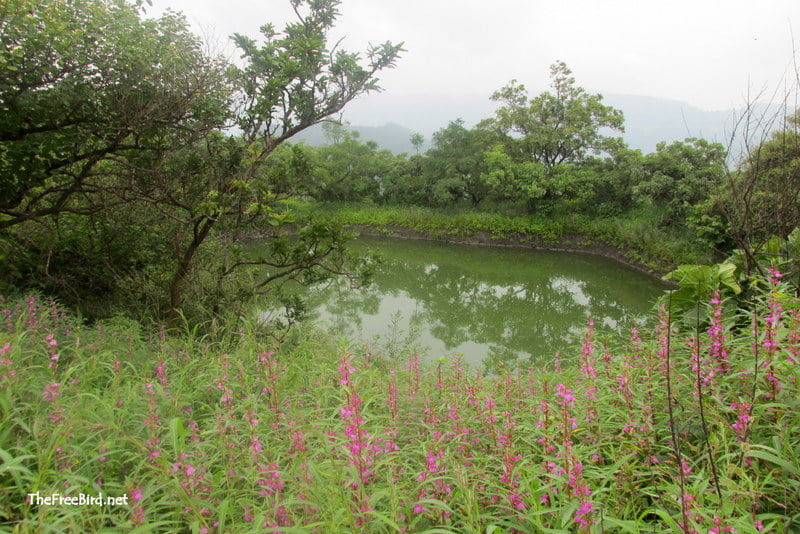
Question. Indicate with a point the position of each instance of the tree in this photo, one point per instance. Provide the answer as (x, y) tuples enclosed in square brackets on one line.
[(405, 182), (417, 140), (616, 177), (554, 128), (760, 196), (289, 82), (348, 170), (335, 131), (456, 163), (509, 179), (87, 81), (678, 178), (150, 148)]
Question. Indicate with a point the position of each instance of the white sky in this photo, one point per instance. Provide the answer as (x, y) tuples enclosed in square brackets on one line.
[(708, 53)]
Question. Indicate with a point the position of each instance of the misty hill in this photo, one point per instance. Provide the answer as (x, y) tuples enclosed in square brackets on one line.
[(650, 120), (390, 136), (390, 120)]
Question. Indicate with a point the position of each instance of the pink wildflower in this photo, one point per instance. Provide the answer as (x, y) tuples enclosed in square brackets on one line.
[(580, 515), (743, 419), (587, 367), (565, 394), (9, 373), (51, 391), (345, 370)]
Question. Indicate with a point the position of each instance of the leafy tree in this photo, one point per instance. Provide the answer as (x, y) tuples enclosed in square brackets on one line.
[(679, 177), (569, 186), (149, 148), (417, 140), (289, 82), (615, 179), (509, 179), (335, 131), (556, 127), (405, 182), (349, 170), (456, 163), (547, 140), (87, 81)]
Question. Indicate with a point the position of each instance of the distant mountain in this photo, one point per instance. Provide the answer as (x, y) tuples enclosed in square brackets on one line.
[(390, 136), (390, 120), (650, 120)]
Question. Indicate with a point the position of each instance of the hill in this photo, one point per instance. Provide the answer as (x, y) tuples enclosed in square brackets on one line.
[(390, 120)]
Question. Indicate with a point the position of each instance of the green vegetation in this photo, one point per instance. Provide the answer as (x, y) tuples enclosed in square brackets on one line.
[(684, 429), (634, 234), (124, 189), (115, 154), (132, 167)]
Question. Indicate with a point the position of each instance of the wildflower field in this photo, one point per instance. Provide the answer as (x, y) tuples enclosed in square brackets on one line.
[(674, 428)]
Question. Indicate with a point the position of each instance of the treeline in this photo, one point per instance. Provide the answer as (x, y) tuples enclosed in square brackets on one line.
[(553, 155)]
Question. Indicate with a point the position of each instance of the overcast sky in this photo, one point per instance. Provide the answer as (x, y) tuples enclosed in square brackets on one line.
[(703, 52)]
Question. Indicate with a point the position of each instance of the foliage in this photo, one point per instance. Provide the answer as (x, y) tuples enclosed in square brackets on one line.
[(778, 260), (456, 162), (510, 180), (677, 177), (760, 197), (406, 183), (697, 283), (615, 179), (350, 169), (87, 81), (438, 223), (148, 147), (558, 127), (241, 435), (546, 139), (417, 140), (639, 236)]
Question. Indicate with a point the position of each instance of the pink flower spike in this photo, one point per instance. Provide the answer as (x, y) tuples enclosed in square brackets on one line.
[(51, 391), (585, 509)]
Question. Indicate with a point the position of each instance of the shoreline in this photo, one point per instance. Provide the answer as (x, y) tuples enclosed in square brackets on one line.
[(567, 243)]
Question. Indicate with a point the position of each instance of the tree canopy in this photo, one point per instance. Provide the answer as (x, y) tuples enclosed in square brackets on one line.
[(555, 127), (88, 81), (125, 121)]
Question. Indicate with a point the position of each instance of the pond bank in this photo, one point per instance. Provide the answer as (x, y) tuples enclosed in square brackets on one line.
[(572, 242)]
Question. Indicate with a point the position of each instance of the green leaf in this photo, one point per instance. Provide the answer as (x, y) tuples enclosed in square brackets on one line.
[(177, 434), (789, 467), (665, 518)]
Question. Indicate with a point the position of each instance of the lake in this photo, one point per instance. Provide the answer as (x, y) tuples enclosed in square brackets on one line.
[(490, 304)]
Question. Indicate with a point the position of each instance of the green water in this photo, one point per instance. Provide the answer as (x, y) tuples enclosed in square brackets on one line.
[(491, 304)]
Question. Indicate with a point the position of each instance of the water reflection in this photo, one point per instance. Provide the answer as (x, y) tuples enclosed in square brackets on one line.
[(491, 304)]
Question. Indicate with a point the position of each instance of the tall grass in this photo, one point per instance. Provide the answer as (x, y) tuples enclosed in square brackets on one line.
[(316, 437)]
